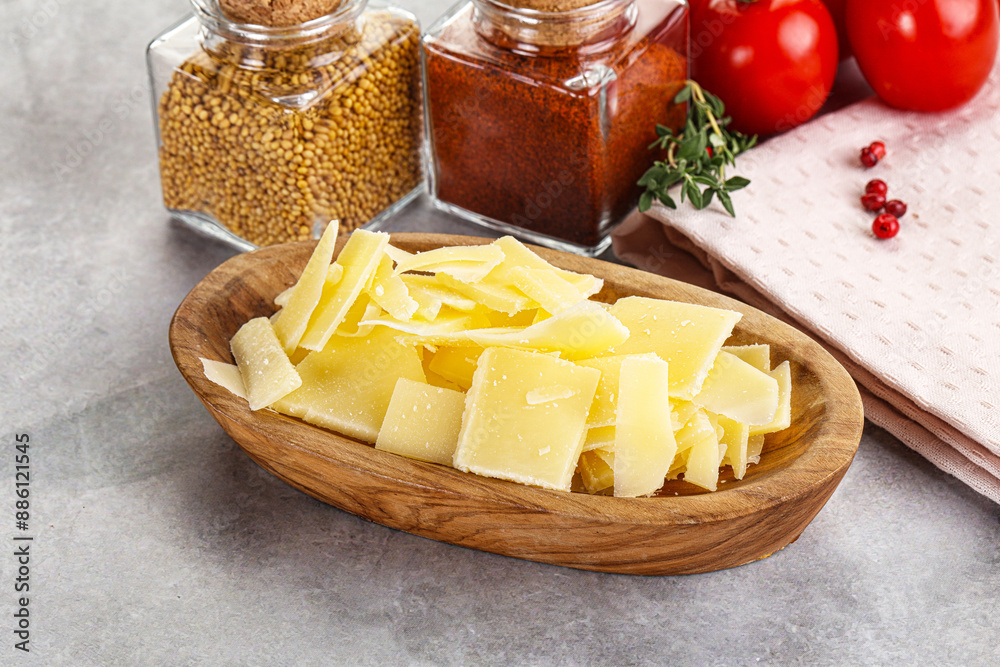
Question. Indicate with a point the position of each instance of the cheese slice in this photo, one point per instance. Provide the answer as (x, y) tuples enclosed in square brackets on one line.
[(504, 435), (359, 259), (735, 438), (782, 374), (582, 331), (422, 422), (397, 254), (457, 364), (516, 254), (467, 264), (347, 386), (282, 299), (596, 470), (495, 318), (681, 411), (455, 322), (390, 292), (501, 296), (687, 336), (305, 295), (699, 427), (361, 310), (755, 445), (739, 391), (547, 288), (603, 410), (758, 356), (600, 437), (267, 374), (225, 375), (703, 459), (644, 438), (431, 295)]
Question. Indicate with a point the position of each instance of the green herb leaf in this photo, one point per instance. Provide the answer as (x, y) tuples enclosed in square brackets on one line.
[(737, 183), (688, 157), (645, 201), (694, 194), (708, 193), (667, 200), (727, 203)]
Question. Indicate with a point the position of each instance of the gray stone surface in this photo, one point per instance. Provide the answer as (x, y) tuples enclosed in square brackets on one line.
[(158, 542)]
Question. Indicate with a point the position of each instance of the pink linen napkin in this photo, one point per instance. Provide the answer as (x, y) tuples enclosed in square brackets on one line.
[(914, 319)]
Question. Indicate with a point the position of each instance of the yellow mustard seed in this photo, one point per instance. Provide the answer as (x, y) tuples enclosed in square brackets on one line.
[(269, 151)]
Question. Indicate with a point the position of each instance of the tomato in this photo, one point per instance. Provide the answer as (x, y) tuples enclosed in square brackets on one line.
[(837, 12), (924, 55), (772, 62)]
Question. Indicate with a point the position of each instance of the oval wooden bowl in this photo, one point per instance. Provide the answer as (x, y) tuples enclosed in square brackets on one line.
[(682, 530)]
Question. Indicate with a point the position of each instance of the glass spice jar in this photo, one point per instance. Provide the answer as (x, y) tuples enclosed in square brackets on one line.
[(540, 116), (266, 133)]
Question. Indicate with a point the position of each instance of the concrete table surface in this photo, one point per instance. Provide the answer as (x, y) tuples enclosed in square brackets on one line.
[(157, 541)]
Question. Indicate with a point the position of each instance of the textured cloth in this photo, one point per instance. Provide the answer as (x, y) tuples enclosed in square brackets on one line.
[(915, 319)]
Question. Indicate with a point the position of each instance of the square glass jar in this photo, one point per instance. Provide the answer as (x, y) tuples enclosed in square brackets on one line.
[(266, 133), (539, 121)]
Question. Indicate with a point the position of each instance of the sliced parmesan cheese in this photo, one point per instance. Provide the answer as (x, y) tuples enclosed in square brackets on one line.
[(547, 288), (359, 259), (735, 438), (364, 308), (739, 391), (305, 295), (267, 374), (347, 386), (505, 436), (496, 295), (783, 415), (457, 364), (644, 439), (603, 411), (596, 470), (687, 336), (225, 375), (548, 394), (464, 263), (755, 445), (600, 437), (390, 292), (702, 467), (581, 331), (422, 422), (516, 254), (431, 295), (758, 356)]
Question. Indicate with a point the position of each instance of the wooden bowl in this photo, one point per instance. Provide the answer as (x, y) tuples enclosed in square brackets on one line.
[(681, 530)]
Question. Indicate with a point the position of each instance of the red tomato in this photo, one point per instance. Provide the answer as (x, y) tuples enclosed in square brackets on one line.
[(924, 55), (772, 62), (837, 10)]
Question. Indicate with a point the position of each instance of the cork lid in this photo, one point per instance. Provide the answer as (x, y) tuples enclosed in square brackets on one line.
[(277, 12), (549, 5)]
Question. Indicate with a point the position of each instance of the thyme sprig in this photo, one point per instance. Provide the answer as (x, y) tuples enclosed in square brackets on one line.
[(697, 156)]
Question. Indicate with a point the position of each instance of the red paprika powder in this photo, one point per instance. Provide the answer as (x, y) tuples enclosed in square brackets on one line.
[(540, 121)]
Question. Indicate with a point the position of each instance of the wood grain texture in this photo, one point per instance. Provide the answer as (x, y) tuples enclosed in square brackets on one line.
[(681, 530)]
